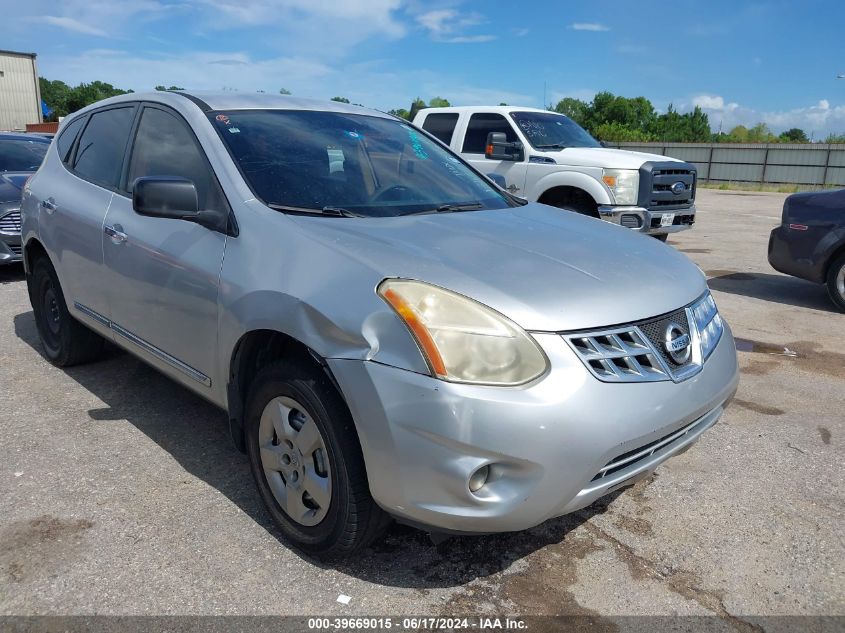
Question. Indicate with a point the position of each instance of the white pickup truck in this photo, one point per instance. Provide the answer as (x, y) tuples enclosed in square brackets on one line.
[(546, 157)]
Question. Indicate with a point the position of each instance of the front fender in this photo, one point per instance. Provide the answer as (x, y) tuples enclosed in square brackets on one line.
[(573, 179)]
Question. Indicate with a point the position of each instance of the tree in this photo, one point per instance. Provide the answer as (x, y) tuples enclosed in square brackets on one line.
[(284, 91), (416, 105), (438, 102), (794, 135), (575, 109), (162, 88), (835, 138), (63, 99), (402, 113), (340, 99)]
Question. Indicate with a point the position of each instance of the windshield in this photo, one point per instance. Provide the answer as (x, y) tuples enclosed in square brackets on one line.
[(22, 154), (354, 164), (548, 130)]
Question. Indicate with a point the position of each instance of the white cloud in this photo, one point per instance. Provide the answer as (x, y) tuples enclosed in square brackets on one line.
[(819, 120), (520, 32), (450, 25), (588, 26), (73, 25)]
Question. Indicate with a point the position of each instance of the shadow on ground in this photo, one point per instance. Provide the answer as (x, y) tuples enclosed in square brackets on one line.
[(196, 434), (10, 273), (776, 288)]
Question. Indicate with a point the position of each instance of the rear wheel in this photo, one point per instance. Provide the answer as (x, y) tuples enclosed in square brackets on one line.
[(307, 462), (65, 340), (836, 282)]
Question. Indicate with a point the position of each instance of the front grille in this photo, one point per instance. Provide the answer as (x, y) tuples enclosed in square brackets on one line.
[(655, 331), (11, 222), (635, 352), (656, 180), (632, 458)]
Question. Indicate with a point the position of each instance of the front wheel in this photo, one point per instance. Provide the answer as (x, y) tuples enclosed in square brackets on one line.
[(836, 282), (307, 462)]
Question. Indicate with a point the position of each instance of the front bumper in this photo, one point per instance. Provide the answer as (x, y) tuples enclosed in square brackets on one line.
[(648, 220), (545, 442), (10, 248)]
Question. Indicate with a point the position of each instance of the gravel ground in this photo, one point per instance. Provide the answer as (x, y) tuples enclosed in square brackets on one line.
[(120, 492)]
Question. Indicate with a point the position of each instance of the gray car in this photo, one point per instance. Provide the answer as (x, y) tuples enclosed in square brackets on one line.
[(391, 334)]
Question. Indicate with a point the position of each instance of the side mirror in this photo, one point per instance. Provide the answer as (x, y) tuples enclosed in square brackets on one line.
[(165, 197), (498, 148)]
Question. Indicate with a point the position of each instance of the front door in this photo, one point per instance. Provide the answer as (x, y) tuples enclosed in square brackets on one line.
[(475, 141), (164, 273)]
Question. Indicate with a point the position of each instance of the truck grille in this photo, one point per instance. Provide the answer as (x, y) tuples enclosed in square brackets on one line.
[(656, 181), (11, 222)]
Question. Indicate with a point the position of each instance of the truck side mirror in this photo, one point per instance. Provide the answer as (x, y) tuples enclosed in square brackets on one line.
[(498, 148)]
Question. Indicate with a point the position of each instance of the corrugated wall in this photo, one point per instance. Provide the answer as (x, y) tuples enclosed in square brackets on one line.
[(20, 102), (782, 163)]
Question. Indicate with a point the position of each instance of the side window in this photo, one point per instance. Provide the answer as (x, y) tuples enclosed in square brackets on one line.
[(100, 153), (480, 125), (441, 125), (164, 146), (67, 137)]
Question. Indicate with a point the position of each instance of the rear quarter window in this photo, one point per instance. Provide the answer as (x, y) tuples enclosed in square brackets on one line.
[(441, 125), (67, 137)]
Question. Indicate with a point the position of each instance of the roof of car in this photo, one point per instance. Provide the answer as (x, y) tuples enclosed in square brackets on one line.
[(497, 109), (231, 100), (22, 136)]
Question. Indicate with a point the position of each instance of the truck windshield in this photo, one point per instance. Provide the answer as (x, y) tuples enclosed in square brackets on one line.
[(342, 164), (22, 155), (548, 130)]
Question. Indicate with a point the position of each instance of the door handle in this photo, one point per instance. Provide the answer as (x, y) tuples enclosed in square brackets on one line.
[(115, 233), (49, 205)]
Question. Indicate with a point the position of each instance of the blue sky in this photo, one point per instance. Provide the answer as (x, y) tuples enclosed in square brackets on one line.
[(743, 62)]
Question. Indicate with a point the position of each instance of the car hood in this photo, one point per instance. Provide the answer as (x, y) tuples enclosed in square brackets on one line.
[(546, 269), (11, 186), (606, 157)]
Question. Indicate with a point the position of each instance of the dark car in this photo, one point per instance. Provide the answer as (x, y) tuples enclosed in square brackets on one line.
[(810, 241), (20, 157)]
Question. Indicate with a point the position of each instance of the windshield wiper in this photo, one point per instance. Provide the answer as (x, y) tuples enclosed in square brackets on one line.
[(449, 208), (336, 212), (552, 146)]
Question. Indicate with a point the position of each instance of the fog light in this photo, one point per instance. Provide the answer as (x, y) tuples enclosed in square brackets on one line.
[(479, 478)]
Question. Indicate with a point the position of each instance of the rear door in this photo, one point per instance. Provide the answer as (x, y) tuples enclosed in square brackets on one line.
[(480, 124), (163, 273), (75, 194)]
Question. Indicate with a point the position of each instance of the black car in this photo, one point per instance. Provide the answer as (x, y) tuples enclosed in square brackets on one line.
[(810, 241), (20, 157)]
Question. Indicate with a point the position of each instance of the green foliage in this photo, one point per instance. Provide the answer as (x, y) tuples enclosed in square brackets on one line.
[(438, 102), (835, 138), (64, 99), (340, 99), (402, 113), (615, 131), (794, 135), (575, 109), (162, 88)]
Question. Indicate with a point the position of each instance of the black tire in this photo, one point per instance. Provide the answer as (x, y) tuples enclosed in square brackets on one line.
[(353, 519), (834, 281), (661, 236), (65, 340)]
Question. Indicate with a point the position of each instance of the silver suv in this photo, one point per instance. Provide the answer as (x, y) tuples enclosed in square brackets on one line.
[(391, 334)]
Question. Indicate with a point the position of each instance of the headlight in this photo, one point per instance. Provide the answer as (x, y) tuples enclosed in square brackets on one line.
[(624, 183), (461, 339), (708, 323)]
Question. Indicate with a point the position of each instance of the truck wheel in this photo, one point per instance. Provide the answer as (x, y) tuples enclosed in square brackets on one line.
[(65, 340), (661, 236), (836, 282), (307, 462)]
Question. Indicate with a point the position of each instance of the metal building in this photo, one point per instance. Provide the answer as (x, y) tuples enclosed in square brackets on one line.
[(20, 96)]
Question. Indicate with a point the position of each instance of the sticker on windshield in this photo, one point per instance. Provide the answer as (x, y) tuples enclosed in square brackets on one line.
[(352, 134), (416, 145)]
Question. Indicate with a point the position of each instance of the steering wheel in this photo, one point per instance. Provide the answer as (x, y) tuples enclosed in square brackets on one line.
[(396, 193)]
